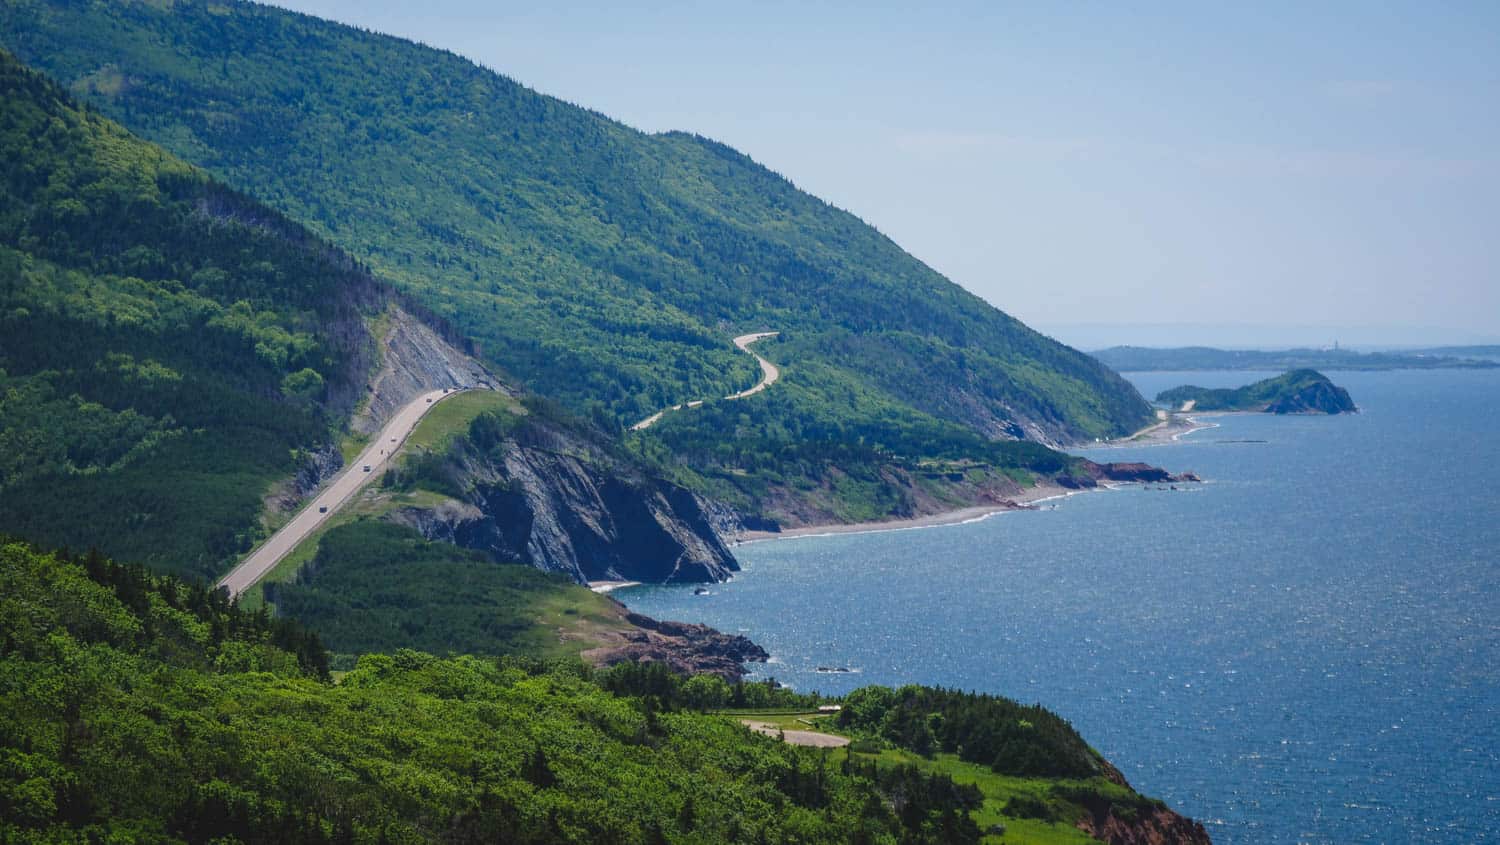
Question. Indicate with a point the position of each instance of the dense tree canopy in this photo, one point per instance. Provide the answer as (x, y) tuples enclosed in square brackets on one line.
[(167, 346), (139, 708)]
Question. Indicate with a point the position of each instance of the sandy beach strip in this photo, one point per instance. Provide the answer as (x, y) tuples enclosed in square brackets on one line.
[(1025, 500), (1171, 430)]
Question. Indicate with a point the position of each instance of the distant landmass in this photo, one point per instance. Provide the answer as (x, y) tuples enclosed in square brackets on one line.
[(1491, 351), (1296, 392), (1140, 358)]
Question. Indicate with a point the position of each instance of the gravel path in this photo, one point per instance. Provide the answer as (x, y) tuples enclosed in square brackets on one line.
[(809, 738)]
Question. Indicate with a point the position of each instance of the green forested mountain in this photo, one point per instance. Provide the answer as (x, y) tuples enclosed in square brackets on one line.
[(167, 345), (1294, 392), (605, 267)]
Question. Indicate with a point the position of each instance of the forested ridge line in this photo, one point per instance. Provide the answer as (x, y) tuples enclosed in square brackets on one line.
[(600, 265), (169, 348)]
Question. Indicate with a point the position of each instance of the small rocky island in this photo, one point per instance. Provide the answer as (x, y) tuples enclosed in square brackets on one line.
[(1294, 392)]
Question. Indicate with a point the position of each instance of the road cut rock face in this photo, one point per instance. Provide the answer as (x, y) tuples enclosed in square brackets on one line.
[(415, 359), (549, 498)]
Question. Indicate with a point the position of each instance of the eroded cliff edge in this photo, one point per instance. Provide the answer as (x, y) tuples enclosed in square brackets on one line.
[(546, 495), (548, 490), (1144, 821)]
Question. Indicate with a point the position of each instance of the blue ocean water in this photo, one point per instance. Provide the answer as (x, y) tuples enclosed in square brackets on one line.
[(1306, 648)]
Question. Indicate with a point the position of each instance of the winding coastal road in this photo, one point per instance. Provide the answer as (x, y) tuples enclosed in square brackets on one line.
[(361, 471), (768, 376)]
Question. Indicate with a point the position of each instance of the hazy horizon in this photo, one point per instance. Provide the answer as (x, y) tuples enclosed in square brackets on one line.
[(1309, 169), (1094, 336)]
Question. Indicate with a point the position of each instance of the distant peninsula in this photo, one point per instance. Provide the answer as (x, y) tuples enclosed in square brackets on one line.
[(1296, 392), (1140, 359)]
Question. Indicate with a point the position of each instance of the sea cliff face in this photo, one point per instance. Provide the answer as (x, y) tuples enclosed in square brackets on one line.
[(547, 498), (1154, 826), (1127, 473), (686, 648)]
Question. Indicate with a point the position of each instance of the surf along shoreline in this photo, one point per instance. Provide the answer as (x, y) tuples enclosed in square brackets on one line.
[(1026, 500), (1166, 432)]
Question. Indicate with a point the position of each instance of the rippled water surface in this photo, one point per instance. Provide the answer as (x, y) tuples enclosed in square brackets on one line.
[(1304, 649)]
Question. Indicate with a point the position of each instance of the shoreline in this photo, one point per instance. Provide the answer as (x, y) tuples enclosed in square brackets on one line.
[(1171, 430), (1026, 500), (1176, 426), (606, 587)]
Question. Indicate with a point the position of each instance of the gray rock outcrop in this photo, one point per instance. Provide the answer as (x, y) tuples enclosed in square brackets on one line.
[(552, 495), (572, 512), (413, 360)]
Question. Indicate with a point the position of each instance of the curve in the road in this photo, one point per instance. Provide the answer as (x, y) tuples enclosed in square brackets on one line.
[(768, 376), (335, 495)]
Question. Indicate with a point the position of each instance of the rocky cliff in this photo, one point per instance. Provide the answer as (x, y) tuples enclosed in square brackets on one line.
[(686, 648), (554, 493), (415, 358), (1133, 821), (549, 497), (1149, 825), (1126, 473)]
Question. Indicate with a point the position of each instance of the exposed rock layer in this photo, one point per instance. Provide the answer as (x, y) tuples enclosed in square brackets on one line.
[(413, 360), (573, 511), (687, 648), (1126, 473), (1152, 825), (551, 496)]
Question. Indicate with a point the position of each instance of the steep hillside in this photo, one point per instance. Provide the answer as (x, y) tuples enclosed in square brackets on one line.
[(520, 479), (177, 361), (168, 347), (373, 586), (604, 267)]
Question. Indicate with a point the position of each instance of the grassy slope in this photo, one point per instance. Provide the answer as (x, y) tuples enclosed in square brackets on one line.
[(373, 586), (1030, 809), (452, 417), (605, 267), (999, 792), (367, 585), (166, 346)]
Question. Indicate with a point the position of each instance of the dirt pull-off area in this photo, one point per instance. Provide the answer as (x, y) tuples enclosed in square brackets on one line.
[(812, 739)]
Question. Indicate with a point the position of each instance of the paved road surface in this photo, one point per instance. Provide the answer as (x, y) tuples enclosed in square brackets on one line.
[(768, 372), (768, 376), (335, 495)]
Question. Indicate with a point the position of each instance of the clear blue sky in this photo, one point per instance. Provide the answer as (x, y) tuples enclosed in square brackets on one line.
[(1279, 172)]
